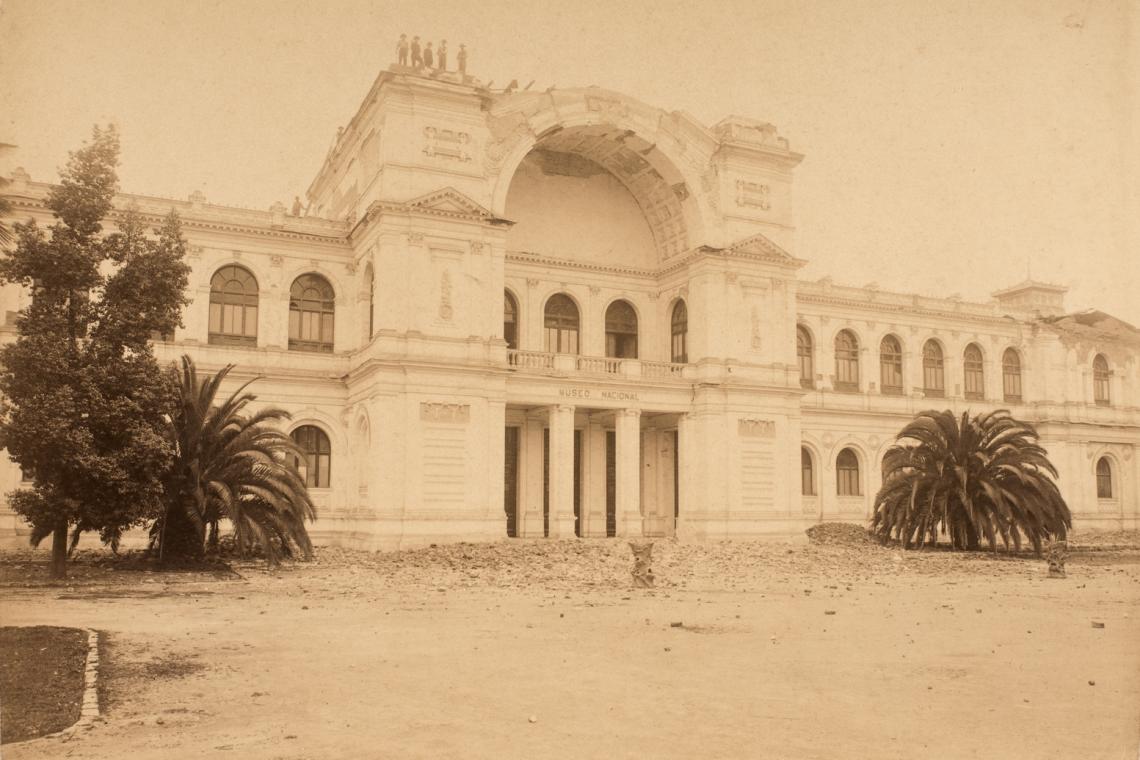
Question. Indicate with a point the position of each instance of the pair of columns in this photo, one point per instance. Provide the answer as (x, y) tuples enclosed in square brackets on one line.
[(627, 460)]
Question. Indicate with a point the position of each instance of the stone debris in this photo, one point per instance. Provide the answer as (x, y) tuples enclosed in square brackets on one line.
[(839, 534), (642, 564), (1056, 552), (829, 566)]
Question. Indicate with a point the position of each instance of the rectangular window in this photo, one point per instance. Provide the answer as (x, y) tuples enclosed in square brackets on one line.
[(848, 482), (678, 354), (975, 380), (561, 341), (933, 381), (891, 376), (807, 486), (1100, 391), (1011, 386), (846, 374), (807, 372), (1103, 483)]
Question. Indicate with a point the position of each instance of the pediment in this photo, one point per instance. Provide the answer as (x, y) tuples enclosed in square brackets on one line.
[(449, 201), (760, 245)]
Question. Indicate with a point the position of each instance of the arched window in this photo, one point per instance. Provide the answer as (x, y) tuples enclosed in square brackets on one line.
[(975, 374), (311, 314), (561, 322), (1101, 377), (510, 320), (1011, 375), (933, 371), (679, 329), (315, 464), (1103, 478), (621, 331), (233, 307), (846, 361), (805, 354), (847, 473), (890, 366), (807, 473)]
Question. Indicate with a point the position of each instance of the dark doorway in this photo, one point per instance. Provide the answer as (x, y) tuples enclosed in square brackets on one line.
[(676, 480), (511, 480), (578, 483), (611, 484), (546, 482)]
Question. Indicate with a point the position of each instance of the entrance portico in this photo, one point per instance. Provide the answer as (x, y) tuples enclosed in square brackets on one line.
[(589, 472)]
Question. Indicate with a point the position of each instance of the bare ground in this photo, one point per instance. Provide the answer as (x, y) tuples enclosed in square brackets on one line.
[(541, 649)]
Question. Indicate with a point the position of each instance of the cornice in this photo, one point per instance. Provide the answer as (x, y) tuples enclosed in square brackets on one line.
[(879, 306), (190, 221), (673, 265), (528, 257), (446, 203)]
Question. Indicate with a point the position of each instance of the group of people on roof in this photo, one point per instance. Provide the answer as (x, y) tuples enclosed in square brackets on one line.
[(423, 57)]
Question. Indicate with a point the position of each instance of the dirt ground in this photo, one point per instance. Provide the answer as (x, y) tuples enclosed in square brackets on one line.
[(542, 650)]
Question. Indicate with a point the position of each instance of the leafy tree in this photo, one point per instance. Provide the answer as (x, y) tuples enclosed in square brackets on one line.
[(984, 476), (83, 397), (231, 465)]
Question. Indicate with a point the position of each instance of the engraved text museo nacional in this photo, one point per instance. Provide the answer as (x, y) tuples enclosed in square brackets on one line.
[(606, 395)]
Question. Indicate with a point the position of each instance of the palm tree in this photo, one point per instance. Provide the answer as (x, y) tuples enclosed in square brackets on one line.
[(983, 476), (230, 465)]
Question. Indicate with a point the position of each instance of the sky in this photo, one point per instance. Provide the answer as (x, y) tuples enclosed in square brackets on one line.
[(950, 147)]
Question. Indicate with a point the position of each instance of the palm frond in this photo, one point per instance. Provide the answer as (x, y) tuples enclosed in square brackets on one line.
[(969, 478)]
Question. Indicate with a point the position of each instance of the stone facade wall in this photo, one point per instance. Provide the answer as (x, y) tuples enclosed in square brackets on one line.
[(438, 198)]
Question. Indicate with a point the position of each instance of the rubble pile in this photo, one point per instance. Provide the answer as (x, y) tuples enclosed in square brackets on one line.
[(838, 554), (839, 534)]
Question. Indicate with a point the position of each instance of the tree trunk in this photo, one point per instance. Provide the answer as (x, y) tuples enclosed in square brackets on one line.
[(59, 550), (181, 541)]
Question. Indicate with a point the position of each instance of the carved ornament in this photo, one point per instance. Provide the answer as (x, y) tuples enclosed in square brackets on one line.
[(448, 143), (443, 412), (755, 428)]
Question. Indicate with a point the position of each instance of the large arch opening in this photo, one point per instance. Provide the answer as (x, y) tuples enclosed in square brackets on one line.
[(591, 194)]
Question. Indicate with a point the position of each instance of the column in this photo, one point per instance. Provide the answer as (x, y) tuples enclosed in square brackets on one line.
[(628, 460), (562, 471), (530, 479), (594, 476), (686, 493)]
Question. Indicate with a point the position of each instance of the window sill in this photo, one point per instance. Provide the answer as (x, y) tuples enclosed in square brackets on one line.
[(311, 348), (227, 340)]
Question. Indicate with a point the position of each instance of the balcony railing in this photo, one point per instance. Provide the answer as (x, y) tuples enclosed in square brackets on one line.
[(662, 369), (542, 361), (529, 359), (599, 365)]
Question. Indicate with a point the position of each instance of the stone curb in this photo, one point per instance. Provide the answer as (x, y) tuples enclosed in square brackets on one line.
[(89, 710)]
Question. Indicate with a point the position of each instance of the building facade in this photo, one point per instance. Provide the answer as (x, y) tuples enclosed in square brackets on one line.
[(567, 313)]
